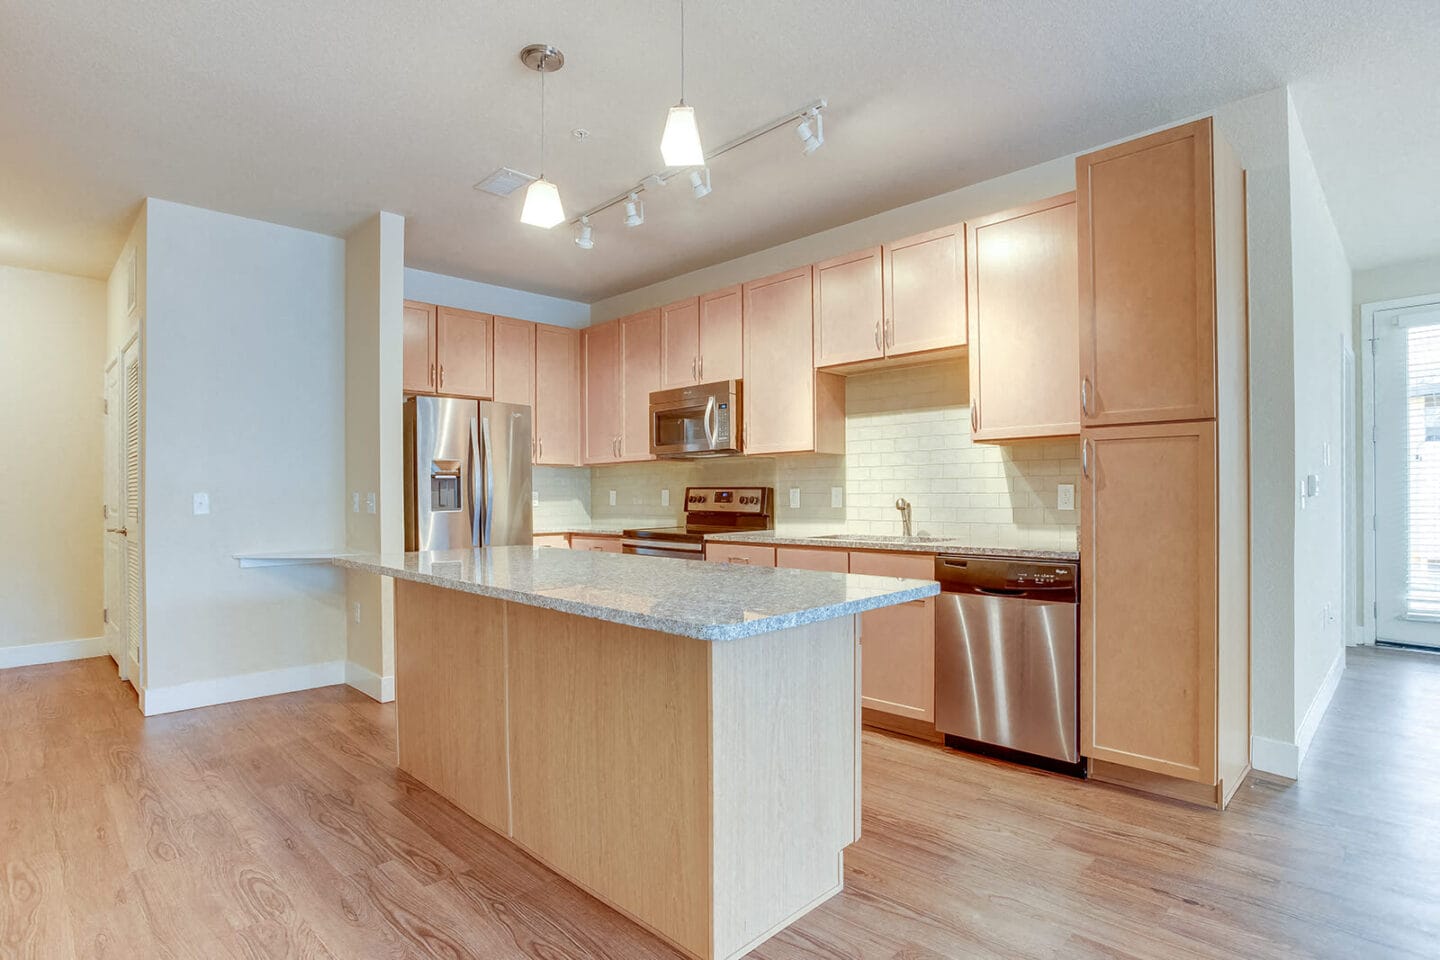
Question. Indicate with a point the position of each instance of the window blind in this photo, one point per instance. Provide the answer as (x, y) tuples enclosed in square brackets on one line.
[(1422, 448)]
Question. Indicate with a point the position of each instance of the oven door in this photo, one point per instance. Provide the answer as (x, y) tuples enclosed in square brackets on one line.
[(674, 549)]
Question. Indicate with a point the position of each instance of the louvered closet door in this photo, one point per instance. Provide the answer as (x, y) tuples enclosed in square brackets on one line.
[(114, 455), (134, 583)]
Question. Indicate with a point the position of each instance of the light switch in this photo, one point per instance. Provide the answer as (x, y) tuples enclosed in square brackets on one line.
[(794, 498), (837, 497), (202, 504), (1065, 496), (355, 607), (534, 498), (612, 498), (664, 497), (355, 501), (369, 503)]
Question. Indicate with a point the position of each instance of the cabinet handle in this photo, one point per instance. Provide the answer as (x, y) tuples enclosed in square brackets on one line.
[(889, 331), (541, 444), (701, 362), (1085, 458), (442, 374), (431, 381), (877, 335), (1085, 395), (974, 416)]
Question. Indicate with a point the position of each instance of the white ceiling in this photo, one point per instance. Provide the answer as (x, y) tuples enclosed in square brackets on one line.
[(315, 114)]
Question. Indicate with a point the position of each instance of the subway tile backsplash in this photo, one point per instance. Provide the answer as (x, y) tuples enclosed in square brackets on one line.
[(907, 434)]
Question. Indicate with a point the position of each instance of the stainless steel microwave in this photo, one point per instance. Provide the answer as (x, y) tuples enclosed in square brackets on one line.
[(702, 420)]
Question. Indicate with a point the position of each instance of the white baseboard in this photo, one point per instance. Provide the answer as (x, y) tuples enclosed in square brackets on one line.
[(1319, 705), (206, 693), (29, 654), (370, 683), (1275, 756)]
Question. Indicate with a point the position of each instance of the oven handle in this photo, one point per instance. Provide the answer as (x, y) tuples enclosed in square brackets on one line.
[(711, 410), (665, 545)]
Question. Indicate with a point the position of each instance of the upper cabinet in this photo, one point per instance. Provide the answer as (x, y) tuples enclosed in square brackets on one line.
[(680, 343), (514, 378), (557, 395), (463, 354), (622, 368), (788, 407), (603, 400), (849, 309), (1147, 279), (418, 366), (1024, 324), (701, 339), (925, 292), (639, 377)]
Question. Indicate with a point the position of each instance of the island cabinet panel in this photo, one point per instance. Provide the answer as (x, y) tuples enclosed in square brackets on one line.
[(813, 558), (640, 374), (604, 393), (418, 348), (849, 309), (721, 336), (450, 676), (514, 361), (557, 396), (925, 292), (898, 670), (465, 346), (1024, 323), (610, 764)]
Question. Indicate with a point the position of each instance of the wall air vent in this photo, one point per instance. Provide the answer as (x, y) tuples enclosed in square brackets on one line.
[(504, 182)]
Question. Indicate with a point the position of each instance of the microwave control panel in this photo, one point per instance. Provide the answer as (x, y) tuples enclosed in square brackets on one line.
[(757, 500)]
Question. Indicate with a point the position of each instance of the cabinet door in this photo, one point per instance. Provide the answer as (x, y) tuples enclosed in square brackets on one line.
[(1147, 278), (1024, 322), (740, 553), (514, 361), (721, 336), (898, 672), (464, 353), (640, 376), (603, 396), (557, 395), (1148, 643), (813, 558), (418, 370), (680, 343), (597, 544), (849, 309), (925, 292), (779, 403)]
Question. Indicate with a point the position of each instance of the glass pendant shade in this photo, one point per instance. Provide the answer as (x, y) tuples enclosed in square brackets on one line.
[(542, 205), (680, 145)]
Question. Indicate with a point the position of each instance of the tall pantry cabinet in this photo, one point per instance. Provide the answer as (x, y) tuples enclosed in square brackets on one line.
[(1164, 534)]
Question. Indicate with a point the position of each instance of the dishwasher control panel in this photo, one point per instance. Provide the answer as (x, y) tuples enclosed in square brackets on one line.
[(1005, 576)]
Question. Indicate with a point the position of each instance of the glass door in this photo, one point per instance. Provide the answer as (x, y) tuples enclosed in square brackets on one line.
[(1407, 475)]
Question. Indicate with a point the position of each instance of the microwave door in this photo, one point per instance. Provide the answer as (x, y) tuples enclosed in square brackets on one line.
[(681, 429)]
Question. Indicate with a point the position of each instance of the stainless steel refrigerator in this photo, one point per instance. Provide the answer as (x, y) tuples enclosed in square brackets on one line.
[(467, 474)]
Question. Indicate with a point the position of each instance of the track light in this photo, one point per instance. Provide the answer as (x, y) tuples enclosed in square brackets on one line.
[(585, 236), (634, 210), (700, 182), (811, 131)]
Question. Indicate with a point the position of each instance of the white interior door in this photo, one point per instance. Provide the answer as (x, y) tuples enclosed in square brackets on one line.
[(133, 625), (114, 514), (1407, 475)]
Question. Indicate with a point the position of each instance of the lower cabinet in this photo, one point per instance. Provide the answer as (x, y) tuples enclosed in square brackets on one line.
[(740, 553), (552, 540), (898, 643), (813, 558), (597, 544)]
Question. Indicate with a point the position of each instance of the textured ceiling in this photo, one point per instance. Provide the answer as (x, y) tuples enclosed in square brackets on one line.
[(316, 114)]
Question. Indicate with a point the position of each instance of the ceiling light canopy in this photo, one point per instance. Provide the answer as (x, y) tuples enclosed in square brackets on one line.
[(680, 143), (542, 198)]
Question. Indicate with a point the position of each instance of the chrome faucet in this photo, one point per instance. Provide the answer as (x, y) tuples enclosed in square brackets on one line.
[(903, 506)]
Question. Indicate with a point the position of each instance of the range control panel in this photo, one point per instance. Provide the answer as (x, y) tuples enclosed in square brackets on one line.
[(756, 500)]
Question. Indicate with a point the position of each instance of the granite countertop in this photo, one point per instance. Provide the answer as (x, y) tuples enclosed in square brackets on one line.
[(690, 598), (860, 541), (605, 528)]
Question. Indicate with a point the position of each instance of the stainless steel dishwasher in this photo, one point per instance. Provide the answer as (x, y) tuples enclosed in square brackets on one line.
[(1007, 664)]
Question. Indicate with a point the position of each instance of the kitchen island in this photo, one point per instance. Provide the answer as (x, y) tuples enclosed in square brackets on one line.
[(679, 738)]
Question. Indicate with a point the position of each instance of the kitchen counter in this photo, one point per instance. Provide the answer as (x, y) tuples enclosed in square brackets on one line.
[(846, 541), (602, 528), (687, 598)]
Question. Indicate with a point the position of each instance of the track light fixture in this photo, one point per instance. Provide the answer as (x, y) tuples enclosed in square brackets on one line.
[(811, 131), (584, 234), (634, 210), (700, 182)]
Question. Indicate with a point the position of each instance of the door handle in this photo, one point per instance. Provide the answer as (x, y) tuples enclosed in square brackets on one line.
[(711, 411), (120, 530), (489, 477), (476, 501)]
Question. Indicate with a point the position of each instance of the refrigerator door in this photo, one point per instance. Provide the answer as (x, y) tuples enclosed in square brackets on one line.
[(503, 483), (440, 465)]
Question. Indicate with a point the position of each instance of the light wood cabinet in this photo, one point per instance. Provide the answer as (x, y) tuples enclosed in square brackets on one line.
[(560, 540), (603, 396), (740, 553), (925, 292), (1024, 325), (557, 416), (1147, 278), (640, 359), (464, 353), (680, 343), (721, 336), (813, 558), (514, 379), (418, 348), (849, 308), (596, 544), (898, 666), (789, 407)]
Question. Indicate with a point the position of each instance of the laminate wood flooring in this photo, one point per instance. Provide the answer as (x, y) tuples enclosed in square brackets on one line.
[(280, 828)]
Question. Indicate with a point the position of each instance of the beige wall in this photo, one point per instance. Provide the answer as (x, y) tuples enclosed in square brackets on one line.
[(52, 359)]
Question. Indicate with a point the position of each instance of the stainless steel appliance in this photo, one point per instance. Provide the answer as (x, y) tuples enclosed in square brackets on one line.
[(467, 474), (696, 421), (707, 510), (1007, 663)]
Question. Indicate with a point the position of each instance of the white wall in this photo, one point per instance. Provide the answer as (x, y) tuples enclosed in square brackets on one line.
[(488, 298), (244, 378), (52, 349)]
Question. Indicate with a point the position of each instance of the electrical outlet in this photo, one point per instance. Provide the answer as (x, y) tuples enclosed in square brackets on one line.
[(369, 503), (1065, 496), (355, 501), (201, 504), (534, 498), (612, 498), (794, 498), (355, 611), (664, 498), (837, 497)]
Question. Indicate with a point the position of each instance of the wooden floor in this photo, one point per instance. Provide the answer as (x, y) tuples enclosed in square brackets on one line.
[(280, 828)]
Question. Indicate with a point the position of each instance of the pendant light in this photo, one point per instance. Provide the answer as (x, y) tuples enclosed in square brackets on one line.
[(542, 198), (680, 144)]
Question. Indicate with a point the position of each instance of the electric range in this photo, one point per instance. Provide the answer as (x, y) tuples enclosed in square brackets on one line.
[(708, 510)]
